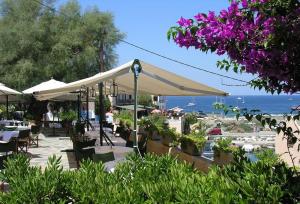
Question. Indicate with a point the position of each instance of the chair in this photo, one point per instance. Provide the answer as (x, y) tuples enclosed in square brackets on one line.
[(105, 157), (34, 137), (7, 147), (23, 140)]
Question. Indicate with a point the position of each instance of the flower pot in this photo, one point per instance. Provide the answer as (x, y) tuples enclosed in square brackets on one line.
[(222, 158), (167, 140), (190, 148)]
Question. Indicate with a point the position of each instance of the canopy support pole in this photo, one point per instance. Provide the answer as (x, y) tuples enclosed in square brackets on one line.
[(7, 107), (101, 99), (87, 109), (136, 69), (78, 106)]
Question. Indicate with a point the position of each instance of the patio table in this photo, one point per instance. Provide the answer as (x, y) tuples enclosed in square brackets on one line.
[(9, 122), (5, 136), (18, 127)]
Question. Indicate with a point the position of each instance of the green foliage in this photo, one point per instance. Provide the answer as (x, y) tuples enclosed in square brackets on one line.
[(200, 128), (69, 115), (151, 179), (152, 123), (224, 145), (169, 132), (198, 139), (268, 156), (145, 100), (37, 43), (125, 117), (107, 105), (191, 118)]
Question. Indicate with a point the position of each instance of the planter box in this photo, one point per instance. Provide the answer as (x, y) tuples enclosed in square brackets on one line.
[(167, 141), (190, 148), (222, 158), (154, 136)]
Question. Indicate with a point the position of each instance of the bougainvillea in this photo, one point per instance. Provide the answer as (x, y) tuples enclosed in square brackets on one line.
[(259, 37)]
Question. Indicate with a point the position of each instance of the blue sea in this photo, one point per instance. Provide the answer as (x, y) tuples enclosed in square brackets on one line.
[(265, 103)]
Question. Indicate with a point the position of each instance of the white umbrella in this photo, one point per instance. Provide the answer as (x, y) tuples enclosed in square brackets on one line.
[(51, 84), (5, 91), (248, 147), (176, 109), (156, 111)]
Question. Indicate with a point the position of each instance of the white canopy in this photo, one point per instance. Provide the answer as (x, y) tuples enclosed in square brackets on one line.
[(51, 84), (152, 80), (4, 90)]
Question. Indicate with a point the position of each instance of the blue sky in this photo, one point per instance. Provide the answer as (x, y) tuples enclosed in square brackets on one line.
[(146, 23)]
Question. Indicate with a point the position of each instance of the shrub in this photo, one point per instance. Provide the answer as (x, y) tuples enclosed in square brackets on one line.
[(169, 132), (198, 139), (224, 145), (152, 123), (151, 179), (69, 115)]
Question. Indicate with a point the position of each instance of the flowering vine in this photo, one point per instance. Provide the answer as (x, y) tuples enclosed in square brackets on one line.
[(259, 37)]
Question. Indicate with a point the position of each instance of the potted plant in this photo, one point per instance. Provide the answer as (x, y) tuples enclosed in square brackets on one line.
[(169, 136), (67, 117), (223, 151), (148, 127), (193, 143)]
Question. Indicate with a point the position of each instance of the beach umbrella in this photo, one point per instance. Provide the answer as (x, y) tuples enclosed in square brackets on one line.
[(177, 109), (51, 84), (248, 147), (5, 91), (156, 111)]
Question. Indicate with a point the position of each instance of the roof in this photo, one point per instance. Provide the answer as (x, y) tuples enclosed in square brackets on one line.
[(152, 80)]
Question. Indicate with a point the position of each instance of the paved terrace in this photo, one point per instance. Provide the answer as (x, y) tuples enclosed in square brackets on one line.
[(61, 145)]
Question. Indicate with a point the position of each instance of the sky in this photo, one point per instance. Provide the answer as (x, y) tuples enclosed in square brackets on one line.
[(146, 23)]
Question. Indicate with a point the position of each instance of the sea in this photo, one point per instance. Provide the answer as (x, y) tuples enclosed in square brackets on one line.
[(271, 104)]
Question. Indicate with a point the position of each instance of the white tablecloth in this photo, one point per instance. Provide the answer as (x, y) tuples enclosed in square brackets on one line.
[(8, 122), (7, 135)]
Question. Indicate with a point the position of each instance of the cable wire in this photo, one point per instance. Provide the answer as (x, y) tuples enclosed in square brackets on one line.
[(158, 54)]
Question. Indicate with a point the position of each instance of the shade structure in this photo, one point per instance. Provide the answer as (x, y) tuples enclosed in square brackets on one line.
[(6, 92), (51, 84), (152, 80)]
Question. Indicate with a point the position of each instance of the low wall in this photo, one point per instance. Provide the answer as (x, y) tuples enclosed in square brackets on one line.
[(200, 163)]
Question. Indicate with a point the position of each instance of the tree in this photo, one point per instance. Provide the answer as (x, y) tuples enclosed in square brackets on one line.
[(259, 36), (37, 43), (145, 100)]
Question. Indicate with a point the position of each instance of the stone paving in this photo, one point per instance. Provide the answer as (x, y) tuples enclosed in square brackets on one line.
[(60, 145)]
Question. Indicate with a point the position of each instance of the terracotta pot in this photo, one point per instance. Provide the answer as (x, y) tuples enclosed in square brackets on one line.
[(223, 158), (190, 148)]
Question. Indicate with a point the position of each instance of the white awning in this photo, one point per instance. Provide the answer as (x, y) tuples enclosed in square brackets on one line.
[(4, 90), (152, 80), (51, 84)]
